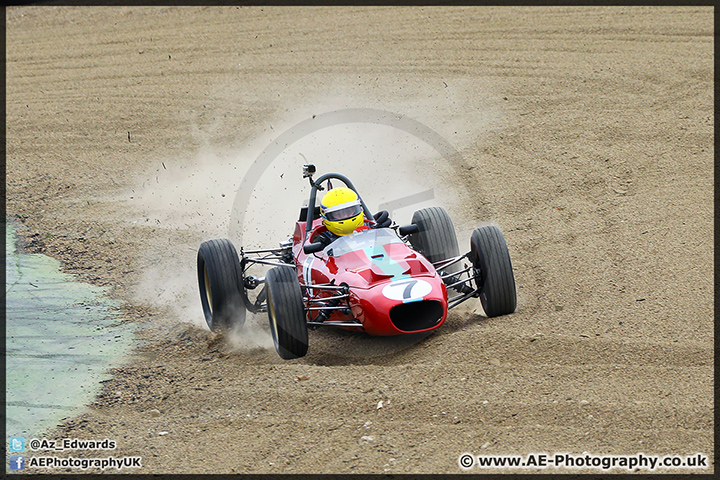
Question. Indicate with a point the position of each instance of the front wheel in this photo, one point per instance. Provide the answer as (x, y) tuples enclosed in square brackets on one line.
[(220, 284), (496, 283), (286, 313)]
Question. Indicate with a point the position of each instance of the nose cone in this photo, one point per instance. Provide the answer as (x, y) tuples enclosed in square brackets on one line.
[(405, 305)]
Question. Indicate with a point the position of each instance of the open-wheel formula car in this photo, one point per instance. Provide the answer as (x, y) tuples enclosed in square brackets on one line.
[(381, 278)]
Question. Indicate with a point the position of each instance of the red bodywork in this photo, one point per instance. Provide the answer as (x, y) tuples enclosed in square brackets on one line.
[(393, 289)]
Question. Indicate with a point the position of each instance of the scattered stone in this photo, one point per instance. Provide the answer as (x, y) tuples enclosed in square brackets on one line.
[(163, 433), (495, 362), (154, 413), (302, 377), (380, 405), (485, 445), (367, 438)]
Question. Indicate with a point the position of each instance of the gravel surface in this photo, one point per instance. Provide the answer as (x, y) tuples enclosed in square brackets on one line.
[(586, 133)]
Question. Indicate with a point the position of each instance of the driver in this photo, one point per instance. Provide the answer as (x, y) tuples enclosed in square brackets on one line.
[(342, 214)]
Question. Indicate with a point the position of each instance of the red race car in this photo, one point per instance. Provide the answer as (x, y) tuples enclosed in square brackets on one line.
[(381, 278)]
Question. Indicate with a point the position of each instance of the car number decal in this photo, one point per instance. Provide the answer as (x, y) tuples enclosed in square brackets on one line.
[(407, 290)]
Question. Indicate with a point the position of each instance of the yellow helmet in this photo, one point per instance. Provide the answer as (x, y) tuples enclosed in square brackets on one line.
[(341, 211)]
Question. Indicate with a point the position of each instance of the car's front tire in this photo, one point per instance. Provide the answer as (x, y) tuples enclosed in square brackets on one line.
[(496, 284), (286, 313)]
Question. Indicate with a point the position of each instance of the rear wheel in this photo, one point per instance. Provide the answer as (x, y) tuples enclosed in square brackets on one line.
[(220, 282), (286, 313), (489, 255), (435, 238)]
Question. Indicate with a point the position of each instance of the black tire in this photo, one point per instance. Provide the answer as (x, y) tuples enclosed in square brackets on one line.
[(286, 313), (436, 238), (496, 284), (220, 281)]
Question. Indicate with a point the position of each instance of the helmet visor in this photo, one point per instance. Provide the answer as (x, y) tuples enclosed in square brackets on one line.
[(343, 213)]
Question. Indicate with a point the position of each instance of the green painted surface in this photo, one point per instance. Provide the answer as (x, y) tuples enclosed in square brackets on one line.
[(59, 338)]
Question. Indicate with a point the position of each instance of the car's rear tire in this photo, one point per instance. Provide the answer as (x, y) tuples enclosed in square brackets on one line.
[(286, 313), (436, 238), (496, 284), (220, 282)]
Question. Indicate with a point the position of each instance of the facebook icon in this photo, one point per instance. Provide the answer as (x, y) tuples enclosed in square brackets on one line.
[(17, 462)]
